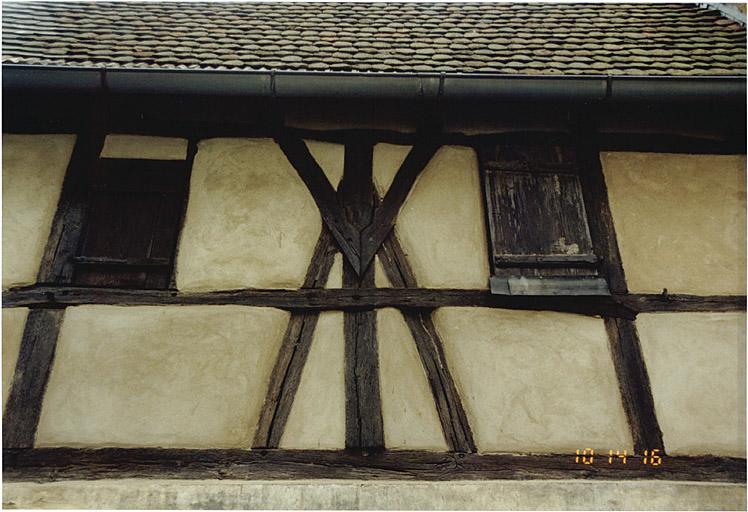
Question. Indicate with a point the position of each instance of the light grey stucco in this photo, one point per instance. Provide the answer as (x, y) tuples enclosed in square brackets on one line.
[(382, 495)]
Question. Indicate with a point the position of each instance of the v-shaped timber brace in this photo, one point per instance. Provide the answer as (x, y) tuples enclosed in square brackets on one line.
[(362, 226), (358, 244)]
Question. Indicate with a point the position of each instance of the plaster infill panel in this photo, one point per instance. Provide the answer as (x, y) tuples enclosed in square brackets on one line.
[(144, 147), (386, 160), (408, 410), (380, 276), (250, 223), (441, 224), (317, 418), (680, 220), (34, 168), (330, 157), (174, 376), (696, 364), (14, 322), (531, 381), (335, 279)]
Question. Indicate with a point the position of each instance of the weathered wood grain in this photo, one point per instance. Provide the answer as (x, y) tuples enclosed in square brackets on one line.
[(60, 464), (363, 404), (623, 306), (534, 208), (68, 223), (599, 218), (364, 424), (546, 260), (134, 208), (347, 235), (24, 405), (633, 381), (454, 421), (297, 342), (663, 303)]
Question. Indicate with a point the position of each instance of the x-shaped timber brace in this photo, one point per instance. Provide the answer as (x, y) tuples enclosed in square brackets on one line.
[(362, 226)]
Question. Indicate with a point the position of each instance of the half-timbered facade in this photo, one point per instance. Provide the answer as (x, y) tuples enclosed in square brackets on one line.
[(373, 242)]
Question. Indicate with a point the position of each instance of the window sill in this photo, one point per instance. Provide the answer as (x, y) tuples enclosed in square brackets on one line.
[(572, 285)]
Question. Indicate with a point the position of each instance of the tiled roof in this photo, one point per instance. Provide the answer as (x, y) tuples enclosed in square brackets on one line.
[(502, 38)]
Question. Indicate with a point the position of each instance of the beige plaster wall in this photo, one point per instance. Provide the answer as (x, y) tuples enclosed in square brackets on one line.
[(408, 409), (250, 222), (680, 220), (380, 277), (386, 160), (696, 364), (144, 146), (33, 171), (534, 381), (174, 376), (317, 418), (441, 224), (14, 321), (330, 157), (335, 279)]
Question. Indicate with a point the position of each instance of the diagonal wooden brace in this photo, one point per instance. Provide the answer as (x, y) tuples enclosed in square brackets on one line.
[(345, 234), (375, 233), (357, 246)]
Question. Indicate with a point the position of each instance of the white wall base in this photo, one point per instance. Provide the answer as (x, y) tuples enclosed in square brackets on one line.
[(388, 495)]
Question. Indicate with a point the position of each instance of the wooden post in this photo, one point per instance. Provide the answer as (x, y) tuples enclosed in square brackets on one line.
[(363, 416)]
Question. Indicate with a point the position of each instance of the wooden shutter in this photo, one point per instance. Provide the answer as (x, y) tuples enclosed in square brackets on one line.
[(538, 234), (133, 221)]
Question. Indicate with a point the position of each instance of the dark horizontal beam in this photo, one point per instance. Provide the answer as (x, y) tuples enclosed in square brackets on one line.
[(311, 299), (653, 303), (50, 464), (619, 141), (671, 143), (622, 306)]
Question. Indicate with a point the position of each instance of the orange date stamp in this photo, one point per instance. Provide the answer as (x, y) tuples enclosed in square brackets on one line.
[(588, 456)]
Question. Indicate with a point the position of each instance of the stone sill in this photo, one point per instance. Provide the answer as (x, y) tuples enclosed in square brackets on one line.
[(379, 495)]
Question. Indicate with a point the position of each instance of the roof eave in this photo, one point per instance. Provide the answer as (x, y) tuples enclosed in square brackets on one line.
[(416, 86)]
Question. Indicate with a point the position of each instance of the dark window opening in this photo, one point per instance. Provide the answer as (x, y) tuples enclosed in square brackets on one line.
[(134, 211), (539, 239)]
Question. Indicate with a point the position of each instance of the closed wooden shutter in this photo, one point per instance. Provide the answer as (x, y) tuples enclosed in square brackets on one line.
[(134, 209), (538, 232)]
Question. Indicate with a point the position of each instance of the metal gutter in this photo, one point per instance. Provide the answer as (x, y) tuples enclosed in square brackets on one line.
[(299, 84)]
